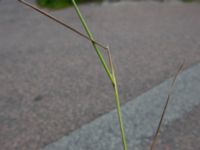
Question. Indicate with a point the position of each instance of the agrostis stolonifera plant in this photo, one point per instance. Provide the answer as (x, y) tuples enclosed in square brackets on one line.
[(108, 67)]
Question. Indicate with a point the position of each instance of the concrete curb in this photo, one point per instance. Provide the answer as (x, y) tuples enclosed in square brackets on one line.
[(141, 117)]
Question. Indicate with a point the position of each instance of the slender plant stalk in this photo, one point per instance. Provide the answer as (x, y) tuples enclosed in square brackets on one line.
[(60, 22), (115, 87), (111, 74), (94, 45), (165, 107)]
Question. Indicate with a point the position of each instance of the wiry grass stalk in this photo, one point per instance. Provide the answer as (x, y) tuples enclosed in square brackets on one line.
[(111, 74), (115, 87), (94, 45), (165, 107), (60, 22)]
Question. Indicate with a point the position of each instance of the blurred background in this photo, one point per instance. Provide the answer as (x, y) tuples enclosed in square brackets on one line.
[(59, 4)]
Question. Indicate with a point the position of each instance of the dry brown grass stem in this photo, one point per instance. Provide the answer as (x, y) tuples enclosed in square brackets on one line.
[(61, 22), (165, 107)]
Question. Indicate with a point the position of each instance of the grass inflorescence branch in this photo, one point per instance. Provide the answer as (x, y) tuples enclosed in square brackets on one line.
[(60, 22), (152, 146), (109, 68), (110, 73)]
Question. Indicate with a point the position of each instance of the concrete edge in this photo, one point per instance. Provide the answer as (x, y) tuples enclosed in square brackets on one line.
[(140, 115)]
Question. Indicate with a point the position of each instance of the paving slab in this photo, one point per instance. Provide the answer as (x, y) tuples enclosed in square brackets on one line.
[(141, 117), (51, 80)]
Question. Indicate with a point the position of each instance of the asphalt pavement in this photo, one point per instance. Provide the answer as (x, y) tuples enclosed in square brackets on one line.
[(179, 130), (51, 80)]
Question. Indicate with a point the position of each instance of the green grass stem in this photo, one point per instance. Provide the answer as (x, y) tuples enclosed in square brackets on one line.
[(111, 76), (110, 72), (94, 44), (121, 125), (60, 22)]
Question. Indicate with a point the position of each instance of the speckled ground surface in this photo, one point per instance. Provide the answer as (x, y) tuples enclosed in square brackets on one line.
[(183, 134), (141, 117), (51, 80)]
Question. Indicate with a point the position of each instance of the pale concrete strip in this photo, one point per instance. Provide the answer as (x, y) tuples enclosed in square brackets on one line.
[(141, 116)]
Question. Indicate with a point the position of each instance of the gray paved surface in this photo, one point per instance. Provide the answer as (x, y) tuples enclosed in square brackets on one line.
[(183, 133), (51, 81), (141, 117)]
